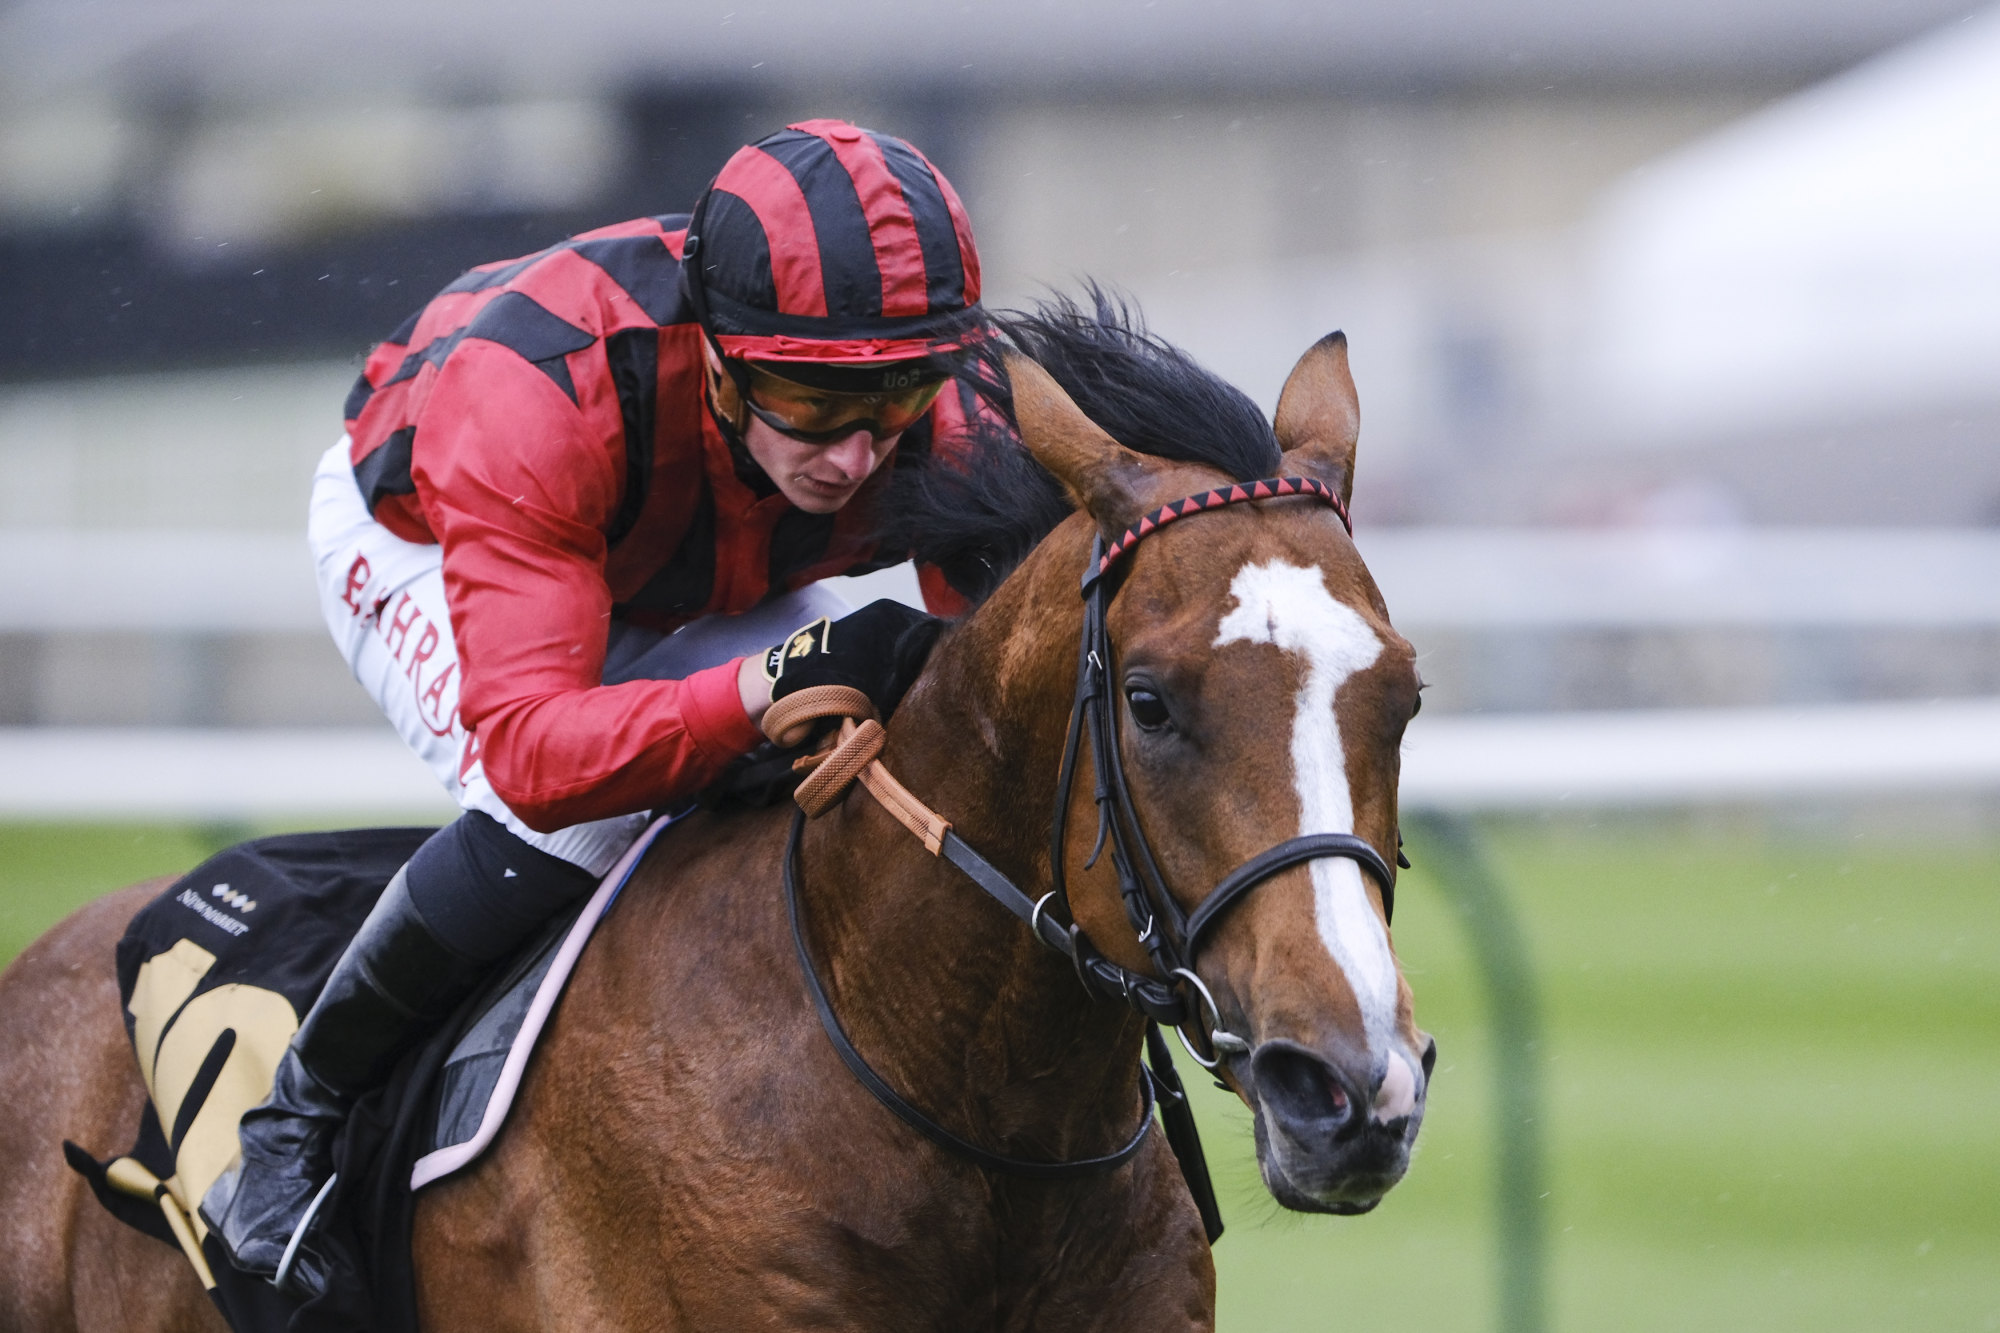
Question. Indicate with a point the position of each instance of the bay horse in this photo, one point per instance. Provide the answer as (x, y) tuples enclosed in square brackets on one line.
[(689, 1152)]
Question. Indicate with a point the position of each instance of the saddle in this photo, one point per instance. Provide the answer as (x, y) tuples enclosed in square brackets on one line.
[(215, 975)]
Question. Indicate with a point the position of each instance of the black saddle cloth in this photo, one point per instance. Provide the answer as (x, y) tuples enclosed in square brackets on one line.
[(274, 915)]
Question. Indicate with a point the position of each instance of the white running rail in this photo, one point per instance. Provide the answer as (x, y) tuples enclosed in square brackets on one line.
[(221, 582), (1467, 763)]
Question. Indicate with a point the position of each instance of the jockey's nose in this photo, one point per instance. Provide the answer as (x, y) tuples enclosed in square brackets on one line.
[(854, 456)]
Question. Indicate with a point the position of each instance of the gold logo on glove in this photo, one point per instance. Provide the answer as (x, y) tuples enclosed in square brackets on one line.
[(802, 642)]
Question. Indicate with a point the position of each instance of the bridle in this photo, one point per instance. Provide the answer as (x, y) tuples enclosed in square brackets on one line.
[(1172, 938)]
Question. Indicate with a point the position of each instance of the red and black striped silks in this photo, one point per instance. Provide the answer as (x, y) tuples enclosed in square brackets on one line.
[(830, 243), (543, 420)]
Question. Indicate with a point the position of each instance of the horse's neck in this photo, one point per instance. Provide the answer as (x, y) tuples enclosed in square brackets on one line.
[(946, 993)]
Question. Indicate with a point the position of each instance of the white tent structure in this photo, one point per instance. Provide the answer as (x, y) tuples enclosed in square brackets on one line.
[(1834, 257)]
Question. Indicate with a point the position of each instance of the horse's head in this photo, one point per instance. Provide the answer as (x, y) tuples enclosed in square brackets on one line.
[(1261, 694)]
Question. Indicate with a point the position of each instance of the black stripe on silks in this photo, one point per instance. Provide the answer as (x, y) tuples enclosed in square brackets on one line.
[(523, 325), (405, 331), (557, 369), (847, 267), (357, 397), (386, 472), (433, 353), (798, 541), (646, 270), (683, 585), (634, 360), (741, 270), (479, 279), (944, 267)]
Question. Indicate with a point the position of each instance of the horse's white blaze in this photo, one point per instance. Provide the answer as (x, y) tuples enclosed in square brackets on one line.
[(1280, 603)]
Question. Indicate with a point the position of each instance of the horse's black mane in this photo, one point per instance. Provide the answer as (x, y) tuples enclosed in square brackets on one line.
[(979, 516)]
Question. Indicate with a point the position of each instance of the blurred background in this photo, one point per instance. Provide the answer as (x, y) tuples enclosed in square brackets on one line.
[(1677, 332)]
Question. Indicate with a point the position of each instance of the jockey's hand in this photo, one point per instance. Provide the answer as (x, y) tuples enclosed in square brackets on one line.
[(878, 650)]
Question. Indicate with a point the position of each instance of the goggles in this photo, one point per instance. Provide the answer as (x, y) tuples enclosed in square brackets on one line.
[(814, 415)]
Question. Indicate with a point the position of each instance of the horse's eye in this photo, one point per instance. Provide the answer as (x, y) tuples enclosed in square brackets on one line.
[(1418, 706), (1147, 709)]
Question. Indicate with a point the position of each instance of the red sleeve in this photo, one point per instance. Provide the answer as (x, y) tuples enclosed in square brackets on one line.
[(518, 484), (940, 598)]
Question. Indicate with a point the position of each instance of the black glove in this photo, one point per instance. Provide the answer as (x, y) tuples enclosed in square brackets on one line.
[(878, 650)]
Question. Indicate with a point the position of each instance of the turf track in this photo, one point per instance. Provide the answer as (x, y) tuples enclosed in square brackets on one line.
[(1772, 1085)]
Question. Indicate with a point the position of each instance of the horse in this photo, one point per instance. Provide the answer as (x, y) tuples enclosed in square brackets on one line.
[(690, 1150)]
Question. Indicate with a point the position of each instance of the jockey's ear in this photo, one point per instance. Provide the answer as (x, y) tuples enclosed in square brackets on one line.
[(1319, 417), (1107, 480)]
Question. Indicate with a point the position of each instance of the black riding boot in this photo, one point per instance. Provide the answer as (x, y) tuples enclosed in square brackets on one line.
[(395, 983), (468, 898)]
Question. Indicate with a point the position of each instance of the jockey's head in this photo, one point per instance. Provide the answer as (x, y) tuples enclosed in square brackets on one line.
[(833, 273)]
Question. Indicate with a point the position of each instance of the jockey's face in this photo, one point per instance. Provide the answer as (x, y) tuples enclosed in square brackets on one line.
[(818, 478)]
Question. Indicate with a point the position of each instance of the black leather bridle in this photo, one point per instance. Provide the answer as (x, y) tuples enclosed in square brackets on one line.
[(1172, 938)]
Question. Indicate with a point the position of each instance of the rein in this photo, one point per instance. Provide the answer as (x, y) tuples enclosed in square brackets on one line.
[(910, 1115), (1172, 938)]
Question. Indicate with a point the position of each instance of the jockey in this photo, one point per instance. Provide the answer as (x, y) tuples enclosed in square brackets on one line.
[(672, 424)]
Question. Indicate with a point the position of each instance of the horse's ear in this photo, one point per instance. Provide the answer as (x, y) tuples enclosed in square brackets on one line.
[(1106, 479), (1319, 418)]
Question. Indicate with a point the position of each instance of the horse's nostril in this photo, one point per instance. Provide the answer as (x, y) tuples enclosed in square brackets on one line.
[(1430, 1056), (1301, 1089)]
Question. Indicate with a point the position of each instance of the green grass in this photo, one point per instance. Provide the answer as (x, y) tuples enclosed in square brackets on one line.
[(1771, 1083), (1772, 1092), (48, 871)]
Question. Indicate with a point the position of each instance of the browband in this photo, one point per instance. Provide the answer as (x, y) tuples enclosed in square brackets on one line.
[(1271, 488)]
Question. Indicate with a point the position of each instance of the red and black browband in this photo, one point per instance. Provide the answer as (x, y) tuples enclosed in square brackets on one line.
[(1271, 488)]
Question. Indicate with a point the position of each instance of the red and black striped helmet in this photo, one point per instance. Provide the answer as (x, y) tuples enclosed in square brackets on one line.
[(827, 243)]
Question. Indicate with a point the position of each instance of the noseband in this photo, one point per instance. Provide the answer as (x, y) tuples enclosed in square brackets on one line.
[(1176, 996)]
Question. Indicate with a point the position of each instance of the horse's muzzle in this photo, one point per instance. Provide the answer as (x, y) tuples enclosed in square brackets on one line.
[(1334, 1130)]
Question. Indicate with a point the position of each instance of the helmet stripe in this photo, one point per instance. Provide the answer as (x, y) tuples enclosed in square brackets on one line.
[(944, 271), (961, 227), (892, 228), (744, 269), (781, 210), (846, 255)]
